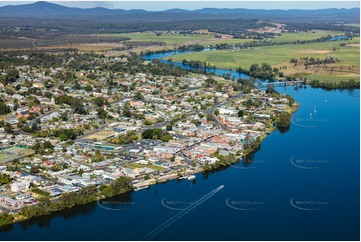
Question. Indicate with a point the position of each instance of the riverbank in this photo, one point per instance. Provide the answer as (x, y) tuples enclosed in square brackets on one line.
[(46, 205)]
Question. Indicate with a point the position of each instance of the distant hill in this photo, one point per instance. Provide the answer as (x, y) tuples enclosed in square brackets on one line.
[(51, 10)]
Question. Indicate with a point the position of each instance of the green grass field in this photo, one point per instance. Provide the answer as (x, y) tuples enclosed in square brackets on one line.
[(176, 39), (151, 166), (332, 78), (280, 55), (222, 41), (305, 36), (13, 153)]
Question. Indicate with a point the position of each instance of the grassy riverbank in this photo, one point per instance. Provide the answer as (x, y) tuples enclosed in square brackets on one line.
[(279, 56)]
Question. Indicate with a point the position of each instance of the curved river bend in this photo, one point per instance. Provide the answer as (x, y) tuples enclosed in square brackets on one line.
[(301, 185)]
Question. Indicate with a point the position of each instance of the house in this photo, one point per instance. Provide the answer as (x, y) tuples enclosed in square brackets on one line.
[(55, 191), (69, 180), (69, 188), (22, 196), (39, 85), (23, 114), (129, 172), (8, 201), (109, 176), (35, 109), (20, 186), (142, 162)]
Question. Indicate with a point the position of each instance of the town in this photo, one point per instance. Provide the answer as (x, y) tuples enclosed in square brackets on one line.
[(64, 129)]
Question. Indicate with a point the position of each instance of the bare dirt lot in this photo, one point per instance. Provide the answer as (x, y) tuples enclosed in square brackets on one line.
[(354, 45)]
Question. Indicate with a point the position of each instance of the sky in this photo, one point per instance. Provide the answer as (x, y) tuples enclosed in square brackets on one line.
[(191, 5)]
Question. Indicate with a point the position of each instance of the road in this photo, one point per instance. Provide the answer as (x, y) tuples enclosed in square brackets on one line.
[(31, 121), (210, 111)]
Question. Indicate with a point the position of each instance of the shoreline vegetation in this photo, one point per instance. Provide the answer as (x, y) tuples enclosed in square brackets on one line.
[(351, 84), (259, 72), (86, 195)]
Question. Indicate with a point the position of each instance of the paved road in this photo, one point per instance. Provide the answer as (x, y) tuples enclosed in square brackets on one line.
[(210, 111), (31, 121)]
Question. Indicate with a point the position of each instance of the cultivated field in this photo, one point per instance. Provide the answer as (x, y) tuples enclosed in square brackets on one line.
[(13, 153)]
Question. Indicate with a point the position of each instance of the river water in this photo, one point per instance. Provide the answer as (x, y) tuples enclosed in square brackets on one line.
[(301, 185)]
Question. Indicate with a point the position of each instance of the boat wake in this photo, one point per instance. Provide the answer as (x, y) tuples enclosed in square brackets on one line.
[(179, 215)]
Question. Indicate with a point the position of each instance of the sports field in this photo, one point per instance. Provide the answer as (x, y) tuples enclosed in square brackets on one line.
[(100, 135), (14, 153)]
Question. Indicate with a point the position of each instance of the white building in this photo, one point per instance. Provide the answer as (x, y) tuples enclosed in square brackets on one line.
[(20, 186)]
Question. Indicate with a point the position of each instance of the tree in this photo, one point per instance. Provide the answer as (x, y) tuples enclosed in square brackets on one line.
[(147, 134), (126, 110), (47, 145), (11, 76), (4, 109), (167, 137), (216, 112), (139, 96), (147, 122), (77, 86), (34, 126), (81, 172), (4, 179), (291, 100), (99, 101), (6, 218), (240, 113), (98, 156), (254, 68), (34, 169), (63, 137), (284, 120), (102, 114), (169, 127), (8, 128), (88, 88), (156, 133)]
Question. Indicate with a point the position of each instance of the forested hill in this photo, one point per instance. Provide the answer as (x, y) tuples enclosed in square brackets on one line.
[(50, 10)]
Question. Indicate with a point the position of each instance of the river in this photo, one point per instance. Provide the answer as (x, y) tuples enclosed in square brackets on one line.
[(301, 185)]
